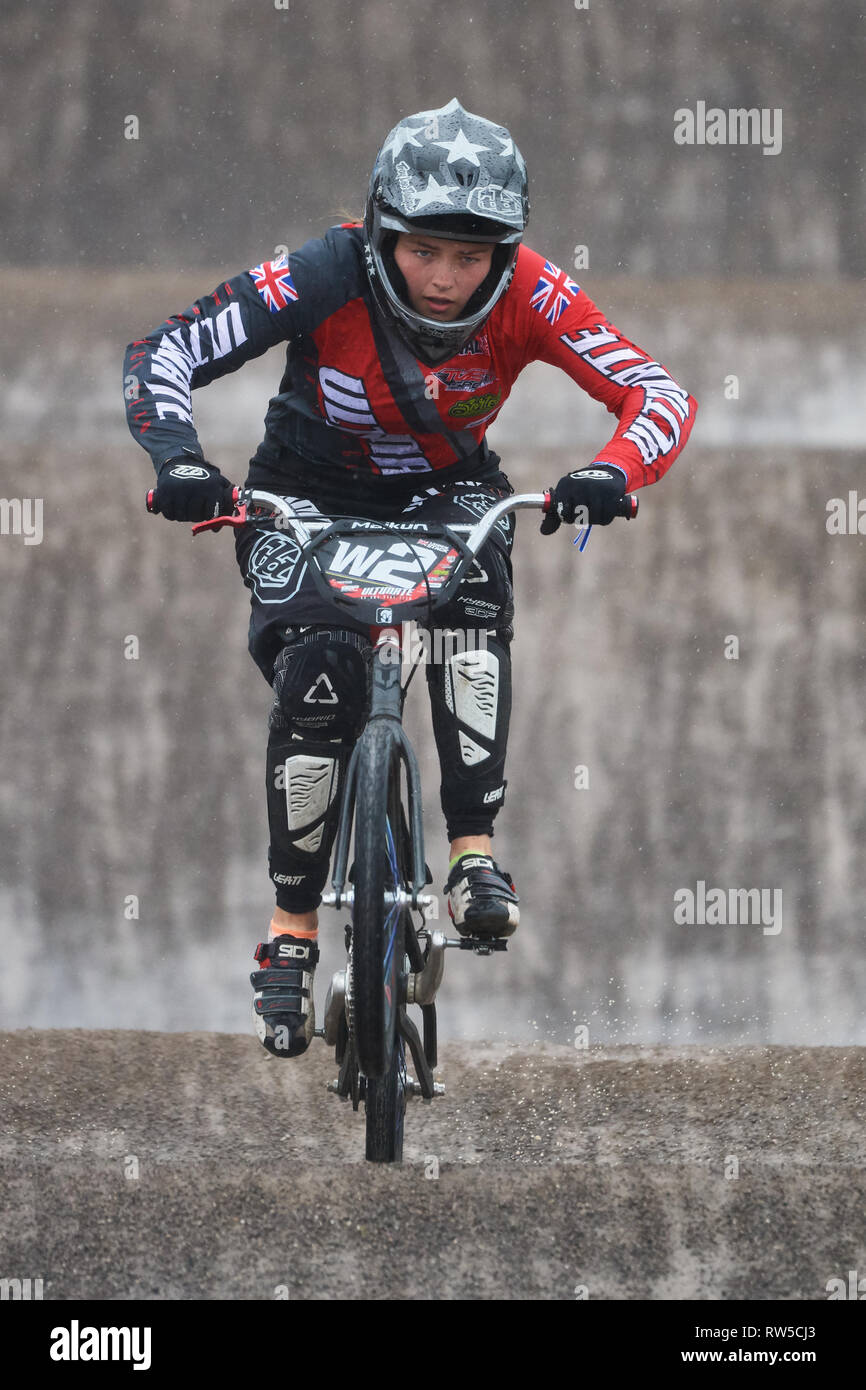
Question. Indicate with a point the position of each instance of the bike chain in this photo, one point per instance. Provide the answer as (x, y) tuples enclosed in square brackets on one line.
[(349, 1005)]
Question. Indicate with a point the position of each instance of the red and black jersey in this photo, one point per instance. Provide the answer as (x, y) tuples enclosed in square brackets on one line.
[(354, 398)]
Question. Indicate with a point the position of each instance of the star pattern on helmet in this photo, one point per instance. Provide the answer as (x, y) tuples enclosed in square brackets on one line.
[(461, 148), (433, 193), (401, 136)]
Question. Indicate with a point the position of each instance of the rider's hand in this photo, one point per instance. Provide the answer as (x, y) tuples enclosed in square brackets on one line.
[(188, 489), (599, 489)]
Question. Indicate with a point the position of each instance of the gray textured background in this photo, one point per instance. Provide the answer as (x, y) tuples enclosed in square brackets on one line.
[(146, 777)]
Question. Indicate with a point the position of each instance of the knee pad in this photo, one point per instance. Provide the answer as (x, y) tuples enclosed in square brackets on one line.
[(321, 684), (321, 699)]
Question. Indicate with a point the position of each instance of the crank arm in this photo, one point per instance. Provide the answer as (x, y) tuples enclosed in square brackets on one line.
[(421, 987), (426, 1085)]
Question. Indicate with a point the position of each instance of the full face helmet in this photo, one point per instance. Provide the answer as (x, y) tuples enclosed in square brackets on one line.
[(449, 174)]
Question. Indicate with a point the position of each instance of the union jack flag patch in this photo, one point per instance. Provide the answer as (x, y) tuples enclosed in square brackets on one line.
[(273, 281), (553, 293)]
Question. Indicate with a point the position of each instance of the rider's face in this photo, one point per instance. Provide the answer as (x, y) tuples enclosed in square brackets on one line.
[(441, 275)]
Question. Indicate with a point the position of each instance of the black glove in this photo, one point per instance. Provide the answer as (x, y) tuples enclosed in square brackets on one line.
[(599, 489), (188, 489)]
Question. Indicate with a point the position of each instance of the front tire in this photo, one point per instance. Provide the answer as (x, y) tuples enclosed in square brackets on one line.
[(386, 1109), (378, 927)]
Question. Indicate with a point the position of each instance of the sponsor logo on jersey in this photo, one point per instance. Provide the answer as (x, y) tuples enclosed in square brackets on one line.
[(476, 347), (617, 360), (464, 378), (274, 283), (554, 292), (347, 408), (182, 350), (476, 405)]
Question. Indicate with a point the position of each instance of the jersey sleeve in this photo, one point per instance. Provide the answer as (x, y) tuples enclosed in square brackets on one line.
[(567, 329), (241, 319)]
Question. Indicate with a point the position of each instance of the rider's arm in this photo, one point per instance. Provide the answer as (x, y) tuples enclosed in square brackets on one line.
[(564, 327), (217, 334)]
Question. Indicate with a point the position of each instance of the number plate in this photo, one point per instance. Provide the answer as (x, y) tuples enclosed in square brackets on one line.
[(386, 569)]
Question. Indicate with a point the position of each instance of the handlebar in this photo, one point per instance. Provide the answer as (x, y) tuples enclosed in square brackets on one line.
[(304, 529)]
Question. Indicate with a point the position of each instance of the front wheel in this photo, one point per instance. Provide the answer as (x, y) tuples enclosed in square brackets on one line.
[(378, 937), (386, 1109)]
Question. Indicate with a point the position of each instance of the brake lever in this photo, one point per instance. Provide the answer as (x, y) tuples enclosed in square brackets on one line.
[(239, 518)]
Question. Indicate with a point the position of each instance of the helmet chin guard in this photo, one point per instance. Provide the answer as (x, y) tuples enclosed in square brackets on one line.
[(454, 175)]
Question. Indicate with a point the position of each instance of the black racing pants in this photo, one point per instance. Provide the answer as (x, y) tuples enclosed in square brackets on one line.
[(308, 651)]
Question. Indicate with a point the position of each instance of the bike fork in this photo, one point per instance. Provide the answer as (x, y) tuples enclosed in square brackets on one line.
[(386, 703)]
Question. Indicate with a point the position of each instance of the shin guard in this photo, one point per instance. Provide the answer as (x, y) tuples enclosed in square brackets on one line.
[(470, 699)]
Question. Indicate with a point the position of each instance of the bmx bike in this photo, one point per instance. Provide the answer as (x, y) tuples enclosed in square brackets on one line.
[(386, 574)]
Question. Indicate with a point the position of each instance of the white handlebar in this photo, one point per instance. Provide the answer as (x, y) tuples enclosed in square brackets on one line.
[(303, 528)]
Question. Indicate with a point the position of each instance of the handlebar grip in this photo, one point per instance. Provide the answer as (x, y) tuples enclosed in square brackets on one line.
[(627, 506), (154, 510)]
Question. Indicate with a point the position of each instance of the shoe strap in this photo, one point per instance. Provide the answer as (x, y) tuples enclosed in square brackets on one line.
[(269, 950)]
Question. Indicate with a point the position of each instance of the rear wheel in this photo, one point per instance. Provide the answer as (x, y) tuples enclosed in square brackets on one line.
[(378, 936)]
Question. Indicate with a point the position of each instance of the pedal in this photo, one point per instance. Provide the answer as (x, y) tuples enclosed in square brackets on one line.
[(481, 945)]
